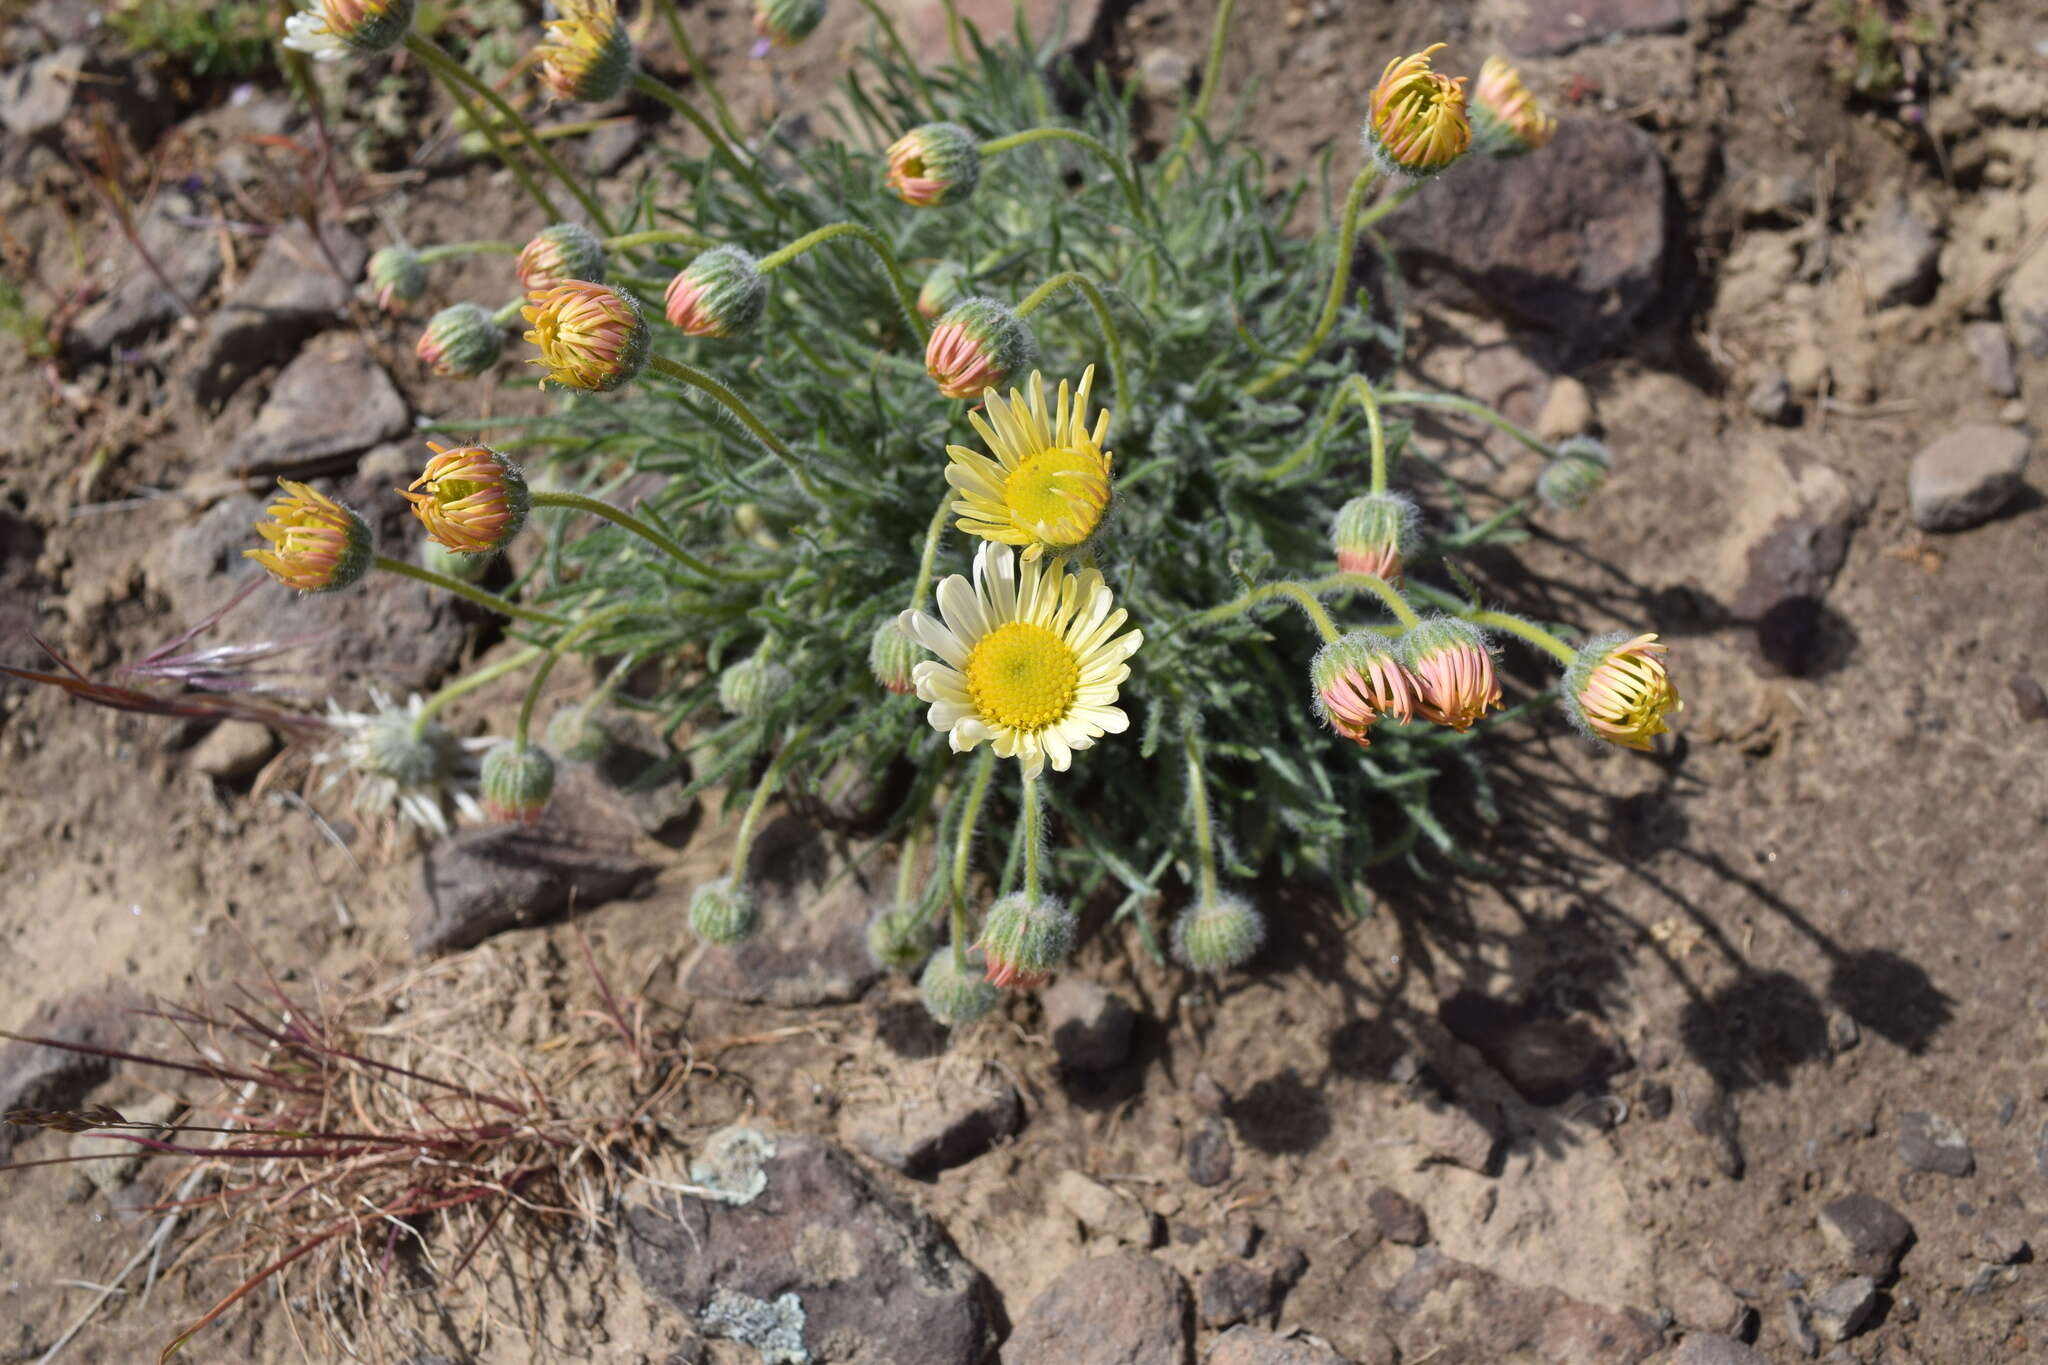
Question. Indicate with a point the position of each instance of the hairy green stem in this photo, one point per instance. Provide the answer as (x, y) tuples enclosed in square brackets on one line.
[(1380, 588), (470, 683), (953, 39), (698, 71), (1340, 281), (1074, 279), (1198, 802), (730, 401), (1472, 408), (508, 314), (1212, 71), (1030, 823), (577, 502), (449, 250), (875, 242), (1102, 152), (963, 849), (547, 666), (467, 591), (658, 237), (771, 780), (720, 148), (1361, 388), (1266, 592), (931, 553), (906, 863), (441, 65), (888, 27), (1527, 630)]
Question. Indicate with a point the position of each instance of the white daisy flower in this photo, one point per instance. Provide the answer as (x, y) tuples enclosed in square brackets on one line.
[(306, 31), (1029, 659)]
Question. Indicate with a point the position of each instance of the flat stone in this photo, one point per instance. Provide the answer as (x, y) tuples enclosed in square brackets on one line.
[(232, 750), (1446, 1302), (1235, 1292), (1211, 1157), (1122, 1309), (1791, 535), (1992, 350), (1706, 1349), (812, 946), (1567, 410), (1547, 1057), (299, 283), (1896, 254), (2029, 698), (1868, 1234), (137, 302), (1090, 1024), (1933, 1143), (1464, 1134), (803, 1257), (35, 96), (1263, 1346), (1103, 1211), (1399, 1218), (649, 777), (1845, 1309), (38, 1076), (487, 881), (1165, 73), (1702, 1303), (944, 1113), (1964, 477), (1553, 26), (1569, 240), (333, 402)]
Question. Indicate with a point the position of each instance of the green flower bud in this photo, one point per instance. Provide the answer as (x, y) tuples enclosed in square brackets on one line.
[(1025, 941), (1218, 936), (952, 996), (460, 342), (560, 254), (397, 277), (719, 294), (752, 687), (1576, 474), (578, 735), (724, 913), (892, 655), (937, 163), (981, 344), (1375, 534), (944, 287), (517, 782), (901, 937), (785, 23), (440, 559)]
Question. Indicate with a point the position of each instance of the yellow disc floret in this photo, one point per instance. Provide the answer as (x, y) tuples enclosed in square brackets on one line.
[(1022, 676)]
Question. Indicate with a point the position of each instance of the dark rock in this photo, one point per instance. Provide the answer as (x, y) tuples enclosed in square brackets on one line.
[(1208, 1097), (38, 1076), (1240, 1234), (1446, 1301), (1465, 1134), (1261, 1346), (2028, 698), (1896, 254), (1210, 1154), (1702, 1349), (333, 402), (1868, 1234), (1400, 1220), (848, 797), (650, 777), (1992, 349), (35, 96), (1122, 1309), (947, 1116), (1771, 398), (1715, 1118), (1090, 1024), (1553, 26), (1289, 1265), (812, 947), (1798, 1330), (486, 881), (1845, 1309), (137, 301), (1548, 1058), (1235, 1292), (1963, 478), (805, 1255), (1569, 240), (1654, 1098), (1931, 1142), (300, 283)]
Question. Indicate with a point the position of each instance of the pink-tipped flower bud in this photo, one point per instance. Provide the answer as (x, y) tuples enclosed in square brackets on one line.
[(1357, 681), (952, 996), (892, 655), (558, 255), (331, 29), (1416, 124), (1453, 672), (944, 287), (460, 342), (719, 294), (1023, 941), (1375, 534), (934, 164), (785, 23), (585, 53), (1576, 474), (398, 277), (977, 346), (1617, 690), (1506, 120), (724, 913), (315, 543), (517, 782), (476, 499), (1218, 936), (590, 337)]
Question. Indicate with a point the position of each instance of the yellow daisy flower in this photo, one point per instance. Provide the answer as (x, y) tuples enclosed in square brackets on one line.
[(1048, 485), (1029, 659)]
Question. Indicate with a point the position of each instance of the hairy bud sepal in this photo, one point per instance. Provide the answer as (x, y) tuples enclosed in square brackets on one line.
[(1375, 534), (460, 342), (719, 294), (900, 938), (934, 164), (952, 996), (724, 913), (517, 782), (1024, 941), (1618, 691), (1218, 936), (978, 345)]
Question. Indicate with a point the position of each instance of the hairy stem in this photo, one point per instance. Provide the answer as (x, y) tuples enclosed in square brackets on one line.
[(547, 666), (1527, 630), (457, 87), (658, 237), (577, 502), (698, 72), (1472, 408), (720, 148), (1031, 824), (1212, 71), (447, 251), (1074, 279), (931, 553), (468, 592), (963, 849), (731, 402), (469, 683), (1340, 282), (875, 242), (1124, 179), (1198, 802)]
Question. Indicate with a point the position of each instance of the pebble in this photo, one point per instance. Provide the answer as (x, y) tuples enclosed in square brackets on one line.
[(1547, 1057), (1567, 410), (1654, 1098), (299, 283), (1210, 1154), (35, 96), (1896, 254), (2000, 1246), (1122, 1309), (1706, 1349), (1103, 1211), (1207, 1096), (1843, 1034), (1470, 1314), (332, 402), (136, 303), (1868, 1234), (1235, 1292), (1845, 1309), (1090, 1025), (1771, 398), (1400, 1220), (1993, 351), (1164, 73), (2028, 697), (1963, 478), (1798, 1329), (1241, 1234), (1464, 1134), (1702, 1303), (1715, 1118), (944, 1113), (1933, 1143), (1806, 369), (232, 750)]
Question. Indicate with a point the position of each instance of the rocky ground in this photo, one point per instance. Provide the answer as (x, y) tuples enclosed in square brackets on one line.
[(1737, 1059)]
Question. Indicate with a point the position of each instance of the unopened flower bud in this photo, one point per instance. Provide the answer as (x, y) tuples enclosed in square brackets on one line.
[(585, 54), (578, 735), (952, 996), (461, 342), (1357, 681), (590, 337), (517, 782), (1024, 941), (1218, 936), (476, 499), (751, 687), (414, 757), (438, 558), (1618, 690), (1576, 474), (1375, 534), (724, 913), (315, 543), (397, 277), (331, 29), (892, 655), (558, 255), (1453, 672), (900, 938), (934, 164), (979, 345), (719, 294), (785, 23), (1416, 125), (944, 287), (1506, 120)]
